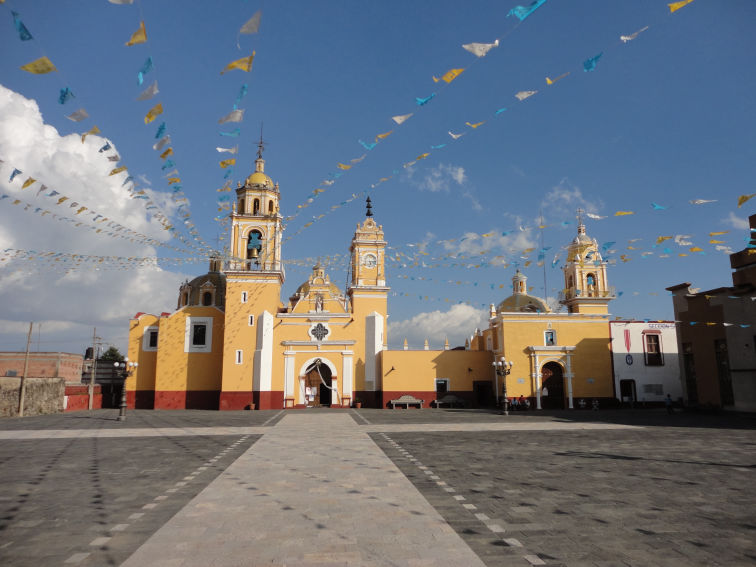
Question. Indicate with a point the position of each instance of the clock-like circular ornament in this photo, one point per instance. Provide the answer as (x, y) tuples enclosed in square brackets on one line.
[(369, 260)]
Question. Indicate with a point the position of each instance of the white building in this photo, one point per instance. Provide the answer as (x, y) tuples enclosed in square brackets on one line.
[(645, 360)]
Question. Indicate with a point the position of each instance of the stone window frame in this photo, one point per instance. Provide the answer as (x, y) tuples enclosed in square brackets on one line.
[(189, 333)]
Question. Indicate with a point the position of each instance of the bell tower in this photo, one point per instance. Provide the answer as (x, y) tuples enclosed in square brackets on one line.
[(256, 224), (586, 289), (368, 294)]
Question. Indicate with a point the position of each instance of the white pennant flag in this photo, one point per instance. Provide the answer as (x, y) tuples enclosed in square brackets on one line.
[(122, 2), (252, 25), (78, 116), (480, 49), (229, 150), (401, 118), (702, 201), (164, 141), (594, 216), (149, 92), (522, 95), (632, 36), (233, 116), (456, 136)]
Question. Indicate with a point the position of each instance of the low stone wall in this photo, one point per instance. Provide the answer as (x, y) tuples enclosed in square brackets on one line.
[(42, 396)]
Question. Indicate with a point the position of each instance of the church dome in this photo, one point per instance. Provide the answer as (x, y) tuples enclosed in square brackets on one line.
[(523, 303), (259, 178)]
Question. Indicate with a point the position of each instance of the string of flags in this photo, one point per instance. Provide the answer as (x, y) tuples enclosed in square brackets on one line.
[(479, 50)]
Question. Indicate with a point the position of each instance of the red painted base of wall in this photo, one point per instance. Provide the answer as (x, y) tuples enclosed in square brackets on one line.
[(368, 399), (141, 399), (234, 400), (78, 398), (268, 400), (192, 399), (426, 396)]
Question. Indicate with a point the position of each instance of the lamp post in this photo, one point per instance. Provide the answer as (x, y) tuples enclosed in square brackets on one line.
[(124, 369), (503, 368)]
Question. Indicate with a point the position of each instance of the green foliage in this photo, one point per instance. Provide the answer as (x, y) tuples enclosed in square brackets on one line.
[(112, 355)]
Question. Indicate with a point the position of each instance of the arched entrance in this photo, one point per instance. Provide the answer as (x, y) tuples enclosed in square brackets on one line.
[(320, 393), (552, 386)]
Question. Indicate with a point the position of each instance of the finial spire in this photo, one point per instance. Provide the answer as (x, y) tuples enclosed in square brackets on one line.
[(581, 225), (260, 144), (369, 205)]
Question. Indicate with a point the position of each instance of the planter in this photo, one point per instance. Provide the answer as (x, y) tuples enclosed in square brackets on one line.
[(357, 405)]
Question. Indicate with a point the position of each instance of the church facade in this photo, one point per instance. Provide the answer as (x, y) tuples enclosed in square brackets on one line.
[(232, 343)]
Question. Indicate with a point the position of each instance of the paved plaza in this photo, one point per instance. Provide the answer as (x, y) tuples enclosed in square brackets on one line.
[(378, 487)]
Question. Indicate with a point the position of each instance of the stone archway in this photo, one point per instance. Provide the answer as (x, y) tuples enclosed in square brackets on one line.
[(552, 386)]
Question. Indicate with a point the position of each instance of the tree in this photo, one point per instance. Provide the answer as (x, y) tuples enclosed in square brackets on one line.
[(112, 355)]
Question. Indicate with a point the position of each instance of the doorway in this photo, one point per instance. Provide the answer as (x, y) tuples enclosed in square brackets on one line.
[(552, 386), (318, 391)]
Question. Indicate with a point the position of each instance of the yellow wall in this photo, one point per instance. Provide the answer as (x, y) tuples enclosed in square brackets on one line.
[(143, 377), (178, 370), (417, 370)]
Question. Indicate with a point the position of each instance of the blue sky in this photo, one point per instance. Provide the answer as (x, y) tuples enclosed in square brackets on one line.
[(665, 119)]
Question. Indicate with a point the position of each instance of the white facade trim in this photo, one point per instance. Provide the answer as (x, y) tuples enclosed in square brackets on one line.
[(373, 345), (188, 332), (263, 361), (146, 338)]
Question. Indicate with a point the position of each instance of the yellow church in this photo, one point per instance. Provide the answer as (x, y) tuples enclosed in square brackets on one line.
[(232, 343)]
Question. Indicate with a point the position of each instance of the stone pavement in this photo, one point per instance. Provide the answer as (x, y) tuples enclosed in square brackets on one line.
[(378, 487)]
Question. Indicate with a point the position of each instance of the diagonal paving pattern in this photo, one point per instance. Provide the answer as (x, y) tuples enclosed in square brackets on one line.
[(315, 490)]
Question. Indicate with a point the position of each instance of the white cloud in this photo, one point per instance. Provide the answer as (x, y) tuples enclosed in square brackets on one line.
[(456, 324), (40, 291), (565, 198), (441, 178), (737, 222)]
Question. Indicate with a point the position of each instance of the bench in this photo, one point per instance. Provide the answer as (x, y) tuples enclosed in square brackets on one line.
[(449, 400), (406, 400)]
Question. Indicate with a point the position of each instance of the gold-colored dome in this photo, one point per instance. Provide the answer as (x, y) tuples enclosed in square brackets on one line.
[(259, 178)]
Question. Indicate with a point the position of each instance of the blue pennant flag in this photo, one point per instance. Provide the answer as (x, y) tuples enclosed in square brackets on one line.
[(160, 131), (366, 145), (426, 100), (168, 163), (241, 95), (523, 12), (105, 148), (590, 63), (14, 173), (235, 133), (146, 68), (228, 173), (438, 147), (23, 33), (65, 95)]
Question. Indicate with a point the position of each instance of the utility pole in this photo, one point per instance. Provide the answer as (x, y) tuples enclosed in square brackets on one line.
[(94, 368), (22, 390)]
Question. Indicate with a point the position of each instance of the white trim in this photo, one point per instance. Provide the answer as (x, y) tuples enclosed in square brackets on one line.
[(146, 338), (263, 361), (312, 316), (325, 325), (373, 345), (188, 332)]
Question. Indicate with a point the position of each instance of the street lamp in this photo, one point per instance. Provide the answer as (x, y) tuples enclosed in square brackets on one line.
[(124, 369), (503, 368)]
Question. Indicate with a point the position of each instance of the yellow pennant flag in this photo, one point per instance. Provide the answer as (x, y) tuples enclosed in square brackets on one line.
[(343, 166), (62, 199), (661, 239), (139, 36), (226, 162), (39, 66), (712, 241), (675, 6), (622, 213), (174, 180), (118, 170), (384, 135), (81, 210), (744, 198), (154, 112), (696, 249), (92, 130), (422, 156), (166, 153), (475, 125), (720, 233), (28, 182), (449, 76), (245, 64), (559, 78)]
